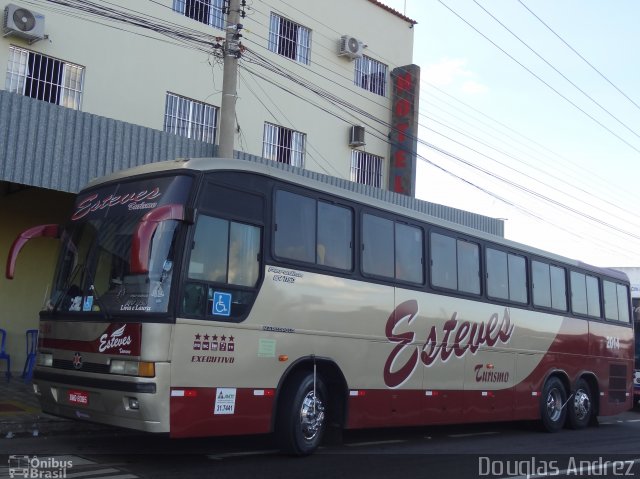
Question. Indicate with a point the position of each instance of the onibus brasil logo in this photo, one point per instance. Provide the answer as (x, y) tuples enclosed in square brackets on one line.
[(38, 468)]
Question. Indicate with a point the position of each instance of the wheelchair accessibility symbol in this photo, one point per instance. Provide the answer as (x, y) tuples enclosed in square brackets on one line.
[(221, 304)]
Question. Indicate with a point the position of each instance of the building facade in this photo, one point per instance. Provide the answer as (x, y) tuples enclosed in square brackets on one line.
[(93, 87)]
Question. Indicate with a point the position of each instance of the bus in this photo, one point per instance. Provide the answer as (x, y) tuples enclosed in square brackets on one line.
[(207, 297)]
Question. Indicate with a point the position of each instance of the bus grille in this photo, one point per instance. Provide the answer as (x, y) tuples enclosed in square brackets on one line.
[(617, 383), (86, 367)]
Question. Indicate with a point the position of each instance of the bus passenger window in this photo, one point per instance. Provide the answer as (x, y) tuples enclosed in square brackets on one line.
[(335, 236), (541, 284), (497, 274), (585, 296), (377, 244), (623, 303), (409, 253), (443, 261), (468, 256), (295, 235), (558, 288), (616, 301), (506, 276)]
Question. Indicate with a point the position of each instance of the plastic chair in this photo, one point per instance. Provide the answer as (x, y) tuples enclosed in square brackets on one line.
[(3, 353), (32, 347)]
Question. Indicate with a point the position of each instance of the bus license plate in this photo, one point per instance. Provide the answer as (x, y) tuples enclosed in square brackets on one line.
[(79, 397)]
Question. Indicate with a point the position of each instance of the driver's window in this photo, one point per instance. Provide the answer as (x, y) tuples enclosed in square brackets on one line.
[(224, 267)]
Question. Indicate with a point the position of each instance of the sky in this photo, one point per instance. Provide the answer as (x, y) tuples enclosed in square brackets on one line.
[(537, 106)]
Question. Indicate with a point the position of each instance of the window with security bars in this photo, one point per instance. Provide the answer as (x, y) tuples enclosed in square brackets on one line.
[(366, 168), (208, 12), (371, 75), (190, 118), (283, 145), (289, 39), (44, 78)]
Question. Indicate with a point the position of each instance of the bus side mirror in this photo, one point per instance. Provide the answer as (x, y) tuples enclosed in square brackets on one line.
[(141, 242), (49, 231)]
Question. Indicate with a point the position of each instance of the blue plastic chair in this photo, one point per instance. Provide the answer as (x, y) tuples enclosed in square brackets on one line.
[(3, 353), (32, 348)]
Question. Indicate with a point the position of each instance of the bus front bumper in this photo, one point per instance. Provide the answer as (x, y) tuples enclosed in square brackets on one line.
[(122, 401)]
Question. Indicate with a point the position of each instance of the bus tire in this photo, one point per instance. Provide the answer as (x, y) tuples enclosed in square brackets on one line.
[(552, 412), (301, 417), (580, 407)]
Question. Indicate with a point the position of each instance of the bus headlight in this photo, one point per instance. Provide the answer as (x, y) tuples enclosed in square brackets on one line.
[(44, 359), (132, 368)]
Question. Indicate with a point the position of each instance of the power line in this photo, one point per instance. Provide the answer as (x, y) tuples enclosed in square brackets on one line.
[(531, 72), (501, 178), (579, 55), (556, 70)]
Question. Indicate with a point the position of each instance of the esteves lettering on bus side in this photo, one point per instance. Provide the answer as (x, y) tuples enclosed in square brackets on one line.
[(467, 337), (91, 203)]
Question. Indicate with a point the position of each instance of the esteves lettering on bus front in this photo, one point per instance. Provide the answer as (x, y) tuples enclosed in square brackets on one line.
[(92, 203)]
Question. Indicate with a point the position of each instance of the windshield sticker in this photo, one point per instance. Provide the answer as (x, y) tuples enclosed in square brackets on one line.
[(136, 302), (266, 348), (225, 401), (156, 290), (76, 301), (221, 304), (134, 201), (88, 303)]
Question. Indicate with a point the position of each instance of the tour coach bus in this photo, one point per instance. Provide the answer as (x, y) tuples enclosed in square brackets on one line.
[(215, 297)]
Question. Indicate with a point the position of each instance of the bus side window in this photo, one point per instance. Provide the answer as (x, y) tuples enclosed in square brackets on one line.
[(226, 253), (193, 299)]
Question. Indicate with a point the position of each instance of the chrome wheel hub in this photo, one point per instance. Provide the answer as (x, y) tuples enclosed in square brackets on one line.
[(311, 416), (581, 404), (554, 405)]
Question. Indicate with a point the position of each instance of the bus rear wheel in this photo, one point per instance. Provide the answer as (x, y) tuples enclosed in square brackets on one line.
[(301, 420), (553, 409), (580, 406)]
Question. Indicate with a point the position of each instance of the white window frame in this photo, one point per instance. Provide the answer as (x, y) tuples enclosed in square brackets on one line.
[(298, 50), (215, 17), (284, 145), (366, 168), (366, 69), (66, 90), (190, 118)]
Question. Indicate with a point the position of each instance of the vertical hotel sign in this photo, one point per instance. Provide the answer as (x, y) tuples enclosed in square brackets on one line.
[(404, 129)]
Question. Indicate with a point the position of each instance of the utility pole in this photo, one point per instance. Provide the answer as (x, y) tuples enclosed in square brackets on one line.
[(231, 53)]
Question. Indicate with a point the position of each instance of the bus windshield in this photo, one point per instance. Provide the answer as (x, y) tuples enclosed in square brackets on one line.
[(94, 273)]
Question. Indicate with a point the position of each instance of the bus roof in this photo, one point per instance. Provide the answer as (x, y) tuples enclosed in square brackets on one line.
[(482, 227)]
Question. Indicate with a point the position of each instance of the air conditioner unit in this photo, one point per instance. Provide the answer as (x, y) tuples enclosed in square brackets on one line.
[(23, 23), (356, 136), (351, 47)]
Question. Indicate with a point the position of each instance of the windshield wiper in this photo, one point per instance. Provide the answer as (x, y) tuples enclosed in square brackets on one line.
[(96, 296)]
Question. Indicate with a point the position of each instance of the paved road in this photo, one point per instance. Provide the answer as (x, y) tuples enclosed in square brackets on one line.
[(487, 450)]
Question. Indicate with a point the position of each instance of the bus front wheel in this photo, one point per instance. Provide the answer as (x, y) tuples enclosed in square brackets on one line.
[(302, 416), (580, 407), (553, 409)]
